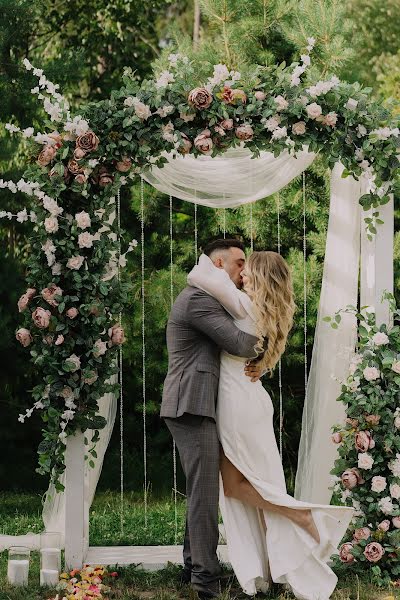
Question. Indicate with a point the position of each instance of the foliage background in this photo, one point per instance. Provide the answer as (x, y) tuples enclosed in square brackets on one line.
[(84, 47)]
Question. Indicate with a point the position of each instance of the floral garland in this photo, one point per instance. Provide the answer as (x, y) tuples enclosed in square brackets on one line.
[(84, 584), (367, 471), (80, 163)]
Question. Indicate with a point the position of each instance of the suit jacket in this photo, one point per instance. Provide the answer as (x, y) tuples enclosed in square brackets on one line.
[(198, 329)]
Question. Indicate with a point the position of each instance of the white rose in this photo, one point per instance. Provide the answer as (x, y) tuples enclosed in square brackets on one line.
[(279, 133), (314, 110), (85, 240), (380, 339), (397, 422), (394, 465), (351, 104), (371, 373), (396, 366), (142, 111), (129, 101), (378, 484), (281, 103), (365, 461), (82, 220), (75, 262), (395, 490), (75, 361), (51, 224), (386, 505), (272, 123)]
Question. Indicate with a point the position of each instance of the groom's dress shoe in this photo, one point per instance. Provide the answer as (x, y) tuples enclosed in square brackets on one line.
[(210, 590)]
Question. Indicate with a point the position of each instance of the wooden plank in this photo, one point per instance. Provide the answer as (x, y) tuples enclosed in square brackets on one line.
[(75, 502)]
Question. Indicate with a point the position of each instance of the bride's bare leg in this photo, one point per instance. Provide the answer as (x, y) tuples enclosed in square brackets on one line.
[(237, 486)]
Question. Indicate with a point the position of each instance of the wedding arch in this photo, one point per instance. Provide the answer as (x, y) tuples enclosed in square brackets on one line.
[(201, 134)]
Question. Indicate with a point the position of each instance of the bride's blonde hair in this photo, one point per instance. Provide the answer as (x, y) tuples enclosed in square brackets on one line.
[(271, 289)]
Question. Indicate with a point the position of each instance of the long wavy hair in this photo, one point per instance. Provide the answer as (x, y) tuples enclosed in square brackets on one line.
[(271, 290)]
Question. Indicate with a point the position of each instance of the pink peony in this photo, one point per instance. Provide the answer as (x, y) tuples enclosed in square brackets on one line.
[(203, 142), (384, 525), (50, 292), (41, 317), (363, 441), (244, 132), (373, 552), (72, 313), (351, 478), (200, 98), (396, 522), (362, 534), (116, 335), (124, 165), (337, 438), (299, 128), (24, 337), (345, 554), (259, 95)]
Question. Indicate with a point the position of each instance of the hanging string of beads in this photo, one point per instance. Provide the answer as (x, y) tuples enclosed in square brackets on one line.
[(121, 398), (171, 254), (143, 351), (278, 212), (195, 231), (305, 304), (251, 228)]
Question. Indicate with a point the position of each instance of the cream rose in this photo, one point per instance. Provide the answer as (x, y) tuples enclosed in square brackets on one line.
[(395, 490), (82, 220), (299, 128), (74, 361), (365, 461), (59, 340), (314, 110), (24, 337), (75, 262), (99, 348), (51, 224), (380, 339), (396, 522), (281, 103), (142, 111), (378, 484), (396, 367), (259, 95), (85, 240)]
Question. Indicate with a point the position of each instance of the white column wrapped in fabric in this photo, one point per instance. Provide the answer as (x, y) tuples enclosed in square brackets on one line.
[(227, 180), (332, 347)]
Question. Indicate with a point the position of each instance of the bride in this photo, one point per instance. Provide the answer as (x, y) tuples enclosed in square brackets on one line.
[(269, 534)]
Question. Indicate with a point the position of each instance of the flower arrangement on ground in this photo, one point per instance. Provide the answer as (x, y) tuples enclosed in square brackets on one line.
[(85, 584)]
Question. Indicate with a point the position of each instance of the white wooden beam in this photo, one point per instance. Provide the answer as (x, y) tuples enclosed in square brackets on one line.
[(76, 521)]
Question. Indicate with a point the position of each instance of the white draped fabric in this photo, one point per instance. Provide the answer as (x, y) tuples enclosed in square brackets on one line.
[(230, 180)]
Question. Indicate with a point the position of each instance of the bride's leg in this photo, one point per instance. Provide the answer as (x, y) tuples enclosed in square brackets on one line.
[(237, 486)]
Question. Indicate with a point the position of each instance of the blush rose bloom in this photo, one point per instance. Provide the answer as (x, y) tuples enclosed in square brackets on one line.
[(299, 128), (351, 478), (362, 534), (244, 132), (74, 167), (59, 340), (281, 103), (396, 367), (371, 373), (85, 240), (46, 156), (380, 339), (314, 110), (384, 525), (99, 348), (186, 144), (227, 124), (75, 361), (41, 317), (337, 438), (203, 142), (124, 165), (373, 552), (82, 220), (80, 178), (88, 141), (259, 95), (75, 262), (331, 119), (49, 293), (116, 335), (24, 337), (363, 441), (365, 461), (396, 522), (79, 153), (373, 419), (395, 490), (51, 224), (200, 98), (25, 299), (378, 484), (72, 313), (345, 554)]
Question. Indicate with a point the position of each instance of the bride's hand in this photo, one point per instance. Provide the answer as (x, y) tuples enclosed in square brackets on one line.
[(253, 371)]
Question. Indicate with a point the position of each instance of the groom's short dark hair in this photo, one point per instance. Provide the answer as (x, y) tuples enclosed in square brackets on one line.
[(222, 244)]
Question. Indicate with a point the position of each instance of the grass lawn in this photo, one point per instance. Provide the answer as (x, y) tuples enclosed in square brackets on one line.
[(20, 513)]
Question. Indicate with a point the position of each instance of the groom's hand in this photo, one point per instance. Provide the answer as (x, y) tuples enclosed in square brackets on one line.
[(253, 370)]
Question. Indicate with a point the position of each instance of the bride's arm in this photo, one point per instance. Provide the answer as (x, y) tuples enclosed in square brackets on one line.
[(218, 284)]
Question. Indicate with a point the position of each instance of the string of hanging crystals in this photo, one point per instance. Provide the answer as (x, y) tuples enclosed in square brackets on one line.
[(278, 212), (121, 398), (305, 306), (143, 349), (171, 255), (196, 245), (251, 228)]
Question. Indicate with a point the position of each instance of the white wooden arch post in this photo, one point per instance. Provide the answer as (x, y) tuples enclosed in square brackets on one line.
[(76, 504)]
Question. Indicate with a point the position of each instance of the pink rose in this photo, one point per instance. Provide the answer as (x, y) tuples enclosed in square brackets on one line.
[(72, 313), (331, 119), (74, 167), (384, 525), (49, 293), (200, 98), (299, 128), (116, 335), (88, 141), (378, 484), (352, 422), (59, 340), (203, 142), (227, 124), (345, 554), (373, 419), (363, 441), (41, 317), (124, 165), (186, 144), (351, 478), (79, 153), (362, 534), (337, 438), (85, 240), (373, 552), (244, 132), (259, 95), (46, 156), (396, 522), (24, 337), (80, 178)]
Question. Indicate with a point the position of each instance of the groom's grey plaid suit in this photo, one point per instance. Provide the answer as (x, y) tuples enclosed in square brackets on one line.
[(198, 329)]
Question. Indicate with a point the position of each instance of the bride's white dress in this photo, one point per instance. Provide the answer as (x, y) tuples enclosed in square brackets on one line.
[(245, 427)]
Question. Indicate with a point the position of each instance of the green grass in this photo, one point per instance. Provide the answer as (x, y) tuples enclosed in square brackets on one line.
[(20, 513)]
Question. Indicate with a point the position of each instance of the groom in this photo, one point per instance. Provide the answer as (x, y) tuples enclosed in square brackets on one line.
[(198, 329)]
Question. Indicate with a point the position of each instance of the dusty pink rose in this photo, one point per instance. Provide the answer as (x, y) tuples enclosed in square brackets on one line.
[(55, 138), (59, 340), (74, 361), (99, 348), (75, 262), (80, 178), (88, 141), (79, 153), (203, 142), (244, 132), (351, 478), (66, 392), (72, 313), (373, 552), (41, 317), (46, 155), (24, 337), (116, 335), (363, 441), (91, 378), (352, 422), (384, 525), (105, 177), (396, 522), (227, 124), (124, 165), (200, 98), (227, 95), (362, 534), (373, 419), (331, 119), (337, 438), (25, 299), (74, 167), (50, 292), (299, 128), (345, 554), (259, 95), (186, 144)]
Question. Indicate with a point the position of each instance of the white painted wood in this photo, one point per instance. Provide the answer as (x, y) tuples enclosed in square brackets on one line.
[(151, 558), (377, 263), (75, 527)]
